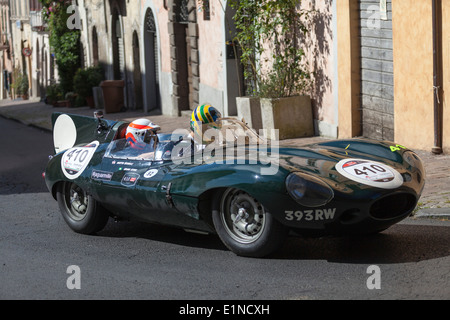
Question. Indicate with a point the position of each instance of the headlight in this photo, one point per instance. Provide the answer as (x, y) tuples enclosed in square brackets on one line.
[(413, 160), (307, 190), (416, 164)]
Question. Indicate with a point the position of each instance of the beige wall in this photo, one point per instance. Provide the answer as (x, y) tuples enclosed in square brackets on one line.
[(320, 45), (413, 73), (210, 44), (349, 113), (162, 18)]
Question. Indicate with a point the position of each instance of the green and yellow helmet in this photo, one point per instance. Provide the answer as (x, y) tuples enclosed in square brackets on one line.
[(204, 114)]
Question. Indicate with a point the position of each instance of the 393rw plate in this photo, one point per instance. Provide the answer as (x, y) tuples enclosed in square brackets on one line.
[(371, 173)]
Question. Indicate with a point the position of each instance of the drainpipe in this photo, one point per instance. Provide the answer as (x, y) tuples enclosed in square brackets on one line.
[(436, 8)]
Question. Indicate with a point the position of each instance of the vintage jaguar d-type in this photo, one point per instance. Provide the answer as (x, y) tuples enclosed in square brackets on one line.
[(247, 189)]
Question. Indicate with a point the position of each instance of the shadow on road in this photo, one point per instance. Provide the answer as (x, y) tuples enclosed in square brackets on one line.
[(160, 233), (399, 244)]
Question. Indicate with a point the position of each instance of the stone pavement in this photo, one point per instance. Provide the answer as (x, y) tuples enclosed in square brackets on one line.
[(435, 200)]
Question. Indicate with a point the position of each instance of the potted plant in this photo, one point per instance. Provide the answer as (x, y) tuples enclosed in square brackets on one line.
[(85, 80), (63, 100), (24, 86), (53, 94), (277, 75), (20, 84), (71, 98)]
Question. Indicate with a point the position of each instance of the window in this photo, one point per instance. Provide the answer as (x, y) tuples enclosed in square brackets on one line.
[(206, 10)]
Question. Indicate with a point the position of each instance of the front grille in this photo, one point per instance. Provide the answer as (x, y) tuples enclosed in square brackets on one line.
[(393, 206)]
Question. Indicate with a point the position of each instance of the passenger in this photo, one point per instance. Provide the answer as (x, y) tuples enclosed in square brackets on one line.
[(203, 118)]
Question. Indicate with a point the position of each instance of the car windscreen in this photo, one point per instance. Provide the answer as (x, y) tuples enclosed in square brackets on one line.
[(153, 150)]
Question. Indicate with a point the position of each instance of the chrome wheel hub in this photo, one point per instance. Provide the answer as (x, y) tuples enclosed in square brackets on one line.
[(77, 202), (243, 216)]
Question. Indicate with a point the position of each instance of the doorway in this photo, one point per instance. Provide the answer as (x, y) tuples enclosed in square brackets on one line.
[(151, 62), (137, 79), (117, 46)]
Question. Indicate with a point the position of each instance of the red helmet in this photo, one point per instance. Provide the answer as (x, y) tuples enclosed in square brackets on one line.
[(137, 130)]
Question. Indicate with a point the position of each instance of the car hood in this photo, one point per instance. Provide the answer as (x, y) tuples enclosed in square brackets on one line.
[(312, 157), (325, 161)]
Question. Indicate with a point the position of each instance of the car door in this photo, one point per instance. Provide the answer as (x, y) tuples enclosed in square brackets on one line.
[(154, 189), (121, 170)]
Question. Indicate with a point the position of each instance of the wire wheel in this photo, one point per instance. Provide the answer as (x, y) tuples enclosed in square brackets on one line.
[(80, 210), (244, 225), (243, 217), (76, 201)]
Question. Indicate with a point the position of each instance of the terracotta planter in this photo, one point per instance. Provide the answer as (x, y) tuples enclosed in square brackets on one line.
[(64, 103), (113, 95)]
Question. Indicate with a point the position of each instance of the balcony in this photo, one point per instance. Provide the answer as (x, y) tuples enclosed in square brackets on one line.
[(36, 21)]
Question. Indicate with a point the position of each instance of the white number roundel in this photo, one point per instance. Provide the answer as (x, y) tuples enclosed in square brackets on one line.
[(370, 173), (75, 160)]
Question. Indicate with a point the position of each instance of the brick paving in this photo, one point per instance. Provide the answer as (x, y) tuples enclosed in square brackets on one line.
[(435, 200)]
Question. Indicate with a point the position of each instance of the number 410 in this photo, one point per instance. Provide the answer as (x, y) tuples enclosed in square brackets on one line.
[(373, 169)]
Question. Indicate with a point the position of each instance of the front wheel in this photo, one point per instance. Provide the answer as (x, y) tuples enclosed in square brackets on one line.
[(244, 226), (81, 212)]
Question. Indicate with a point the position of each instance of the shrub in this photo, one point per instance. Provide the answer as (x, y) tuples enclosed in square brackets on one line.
[(20, 82), (86, 79), (269, 36), (54, 93)]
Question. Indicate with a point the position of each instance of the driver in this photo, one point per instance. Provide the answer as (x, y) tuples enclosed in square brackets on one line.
[(138, 133)]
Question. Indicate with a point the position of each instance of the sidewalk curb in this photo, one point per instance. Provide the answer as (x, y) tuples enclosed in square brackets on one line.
[(433, 213), (28, 124)]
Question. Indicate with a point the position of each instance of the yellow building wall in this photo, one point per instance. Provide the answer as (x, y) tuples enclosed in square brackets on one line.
[(413, 73), (349, 114)]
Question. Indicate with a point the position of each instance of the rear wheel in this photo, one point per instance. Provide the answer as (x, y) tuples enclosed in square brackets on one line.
[(244, 226), (81, 211)]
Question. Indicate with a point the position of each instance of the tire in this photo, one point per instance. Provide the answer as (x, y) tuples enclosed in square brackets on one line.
[(244, 226), (81, 211)]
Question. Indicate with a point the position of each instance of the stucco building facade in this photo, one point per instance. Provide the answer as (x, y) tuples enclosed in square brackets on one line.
[(393, 71), (6, 50), (380, 66), (28, 31), (171, 54), (176, 54)]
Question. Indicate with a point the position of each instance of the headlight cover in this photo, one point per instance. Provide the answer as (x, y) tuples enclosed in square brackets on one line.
[(413, 160), (308, 191)]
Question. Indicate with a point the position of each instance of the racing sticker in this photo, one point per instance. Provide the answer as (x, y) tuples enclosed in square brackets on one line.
[(370, 173), (150, 173), (130, 179), (101, 175), (75, 160)]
